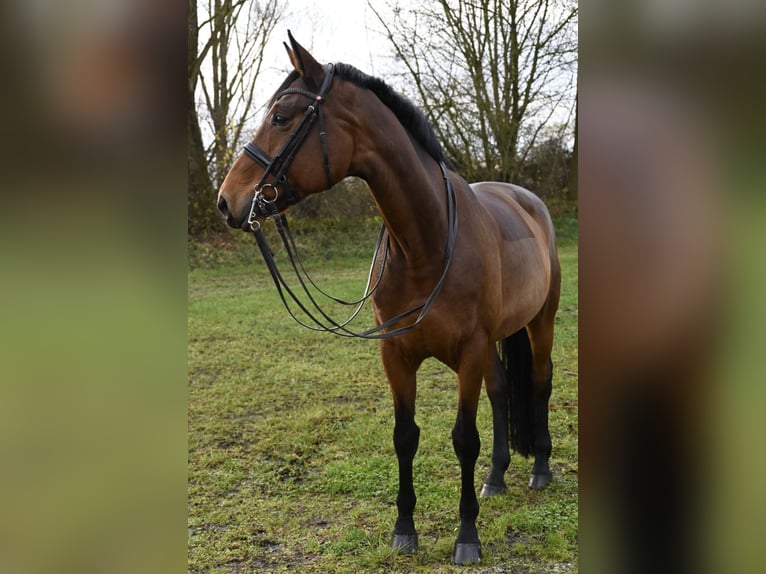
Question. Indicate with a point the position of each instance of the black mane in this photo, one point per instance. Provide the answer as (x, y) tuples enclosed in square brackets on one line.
[(409, 115)]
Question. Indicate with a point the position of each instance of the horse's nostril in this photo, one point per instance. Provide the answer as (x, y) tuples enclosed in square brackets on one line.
[(222, 207)]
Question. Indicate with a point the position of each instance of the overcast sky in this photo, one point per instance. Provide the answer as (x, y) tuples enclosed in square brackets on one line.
[(334, 31)]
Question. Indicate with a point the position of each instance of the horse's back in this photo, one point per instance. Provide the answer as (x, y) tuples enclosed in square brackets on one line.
[(513, 206)]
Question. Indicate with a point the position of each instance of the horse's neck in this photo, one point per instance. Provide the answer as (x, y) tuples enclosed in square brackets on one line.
[(409, 189)]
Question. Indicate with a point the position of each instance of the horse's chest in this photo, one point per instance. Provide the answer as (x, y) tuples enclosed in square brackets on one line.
[(448, 320)]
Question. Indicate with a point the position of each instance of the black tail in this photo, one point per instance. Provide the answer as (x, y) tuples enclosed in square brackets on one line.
[(516, 356)]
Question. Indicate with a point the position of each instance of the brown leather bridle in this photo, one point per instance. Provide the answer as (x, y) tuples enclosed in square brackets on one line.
[(275, 168)]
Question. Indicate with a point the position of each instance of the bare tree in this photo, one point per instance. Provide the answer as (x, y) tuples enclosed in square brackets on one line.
[(201, 212), (226, 47), (490, 74)]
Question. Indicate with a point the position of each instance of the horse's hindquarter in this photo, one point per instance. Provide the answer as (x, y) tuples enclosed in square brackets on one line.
[(524, 235)]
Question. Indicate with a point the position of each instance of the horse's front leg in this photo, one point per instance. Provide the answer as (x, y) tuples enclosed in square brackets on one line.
[(465, 439), (497, 390), (402, 380)]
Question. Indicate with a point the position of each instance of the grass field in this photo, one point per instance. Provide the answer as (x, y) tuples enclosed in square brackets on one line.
[(291, 459)]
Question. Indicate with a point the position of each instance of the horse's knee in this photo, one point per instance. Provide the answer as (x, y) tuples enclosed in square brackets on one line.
[(406, 439), (466, 442)]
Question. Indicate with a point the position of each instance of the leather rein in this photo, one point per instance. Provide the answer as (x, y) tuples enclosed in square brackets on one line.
[(263, 206)]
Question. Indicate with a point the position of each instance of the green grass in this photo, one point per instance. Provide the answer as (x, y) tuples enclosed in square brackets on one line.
[(291, 460)]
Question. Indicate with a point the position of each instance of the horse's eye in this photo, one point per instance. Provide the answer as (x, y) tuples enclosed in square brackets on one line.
[(279, 119)]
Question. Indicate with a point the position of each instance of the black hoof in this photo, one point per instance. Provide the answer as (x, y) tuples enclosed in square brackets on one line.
[(467, 553), (405, 543), (492, 490), (538, 481)]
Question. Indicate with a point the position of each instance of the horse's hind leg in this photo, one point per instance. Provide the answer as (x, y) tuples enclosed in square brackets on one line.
[(497, 390), (402, 380), (540, 332)]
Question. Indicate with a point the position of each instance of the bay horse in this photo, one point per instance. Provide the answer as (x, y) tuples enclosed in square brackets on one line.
[(490, 286)]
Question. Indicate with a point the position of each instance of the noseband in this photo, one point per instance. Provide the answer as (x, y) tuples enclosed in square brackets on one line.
[(275, 167)]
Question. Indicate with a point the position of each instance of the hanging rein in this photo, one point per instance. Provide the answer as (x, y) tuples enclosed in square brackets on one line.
[(264, 206)]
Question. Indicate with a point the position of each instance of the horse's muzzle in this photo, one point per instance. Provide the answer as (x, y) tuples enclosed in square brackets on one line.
[(231, 221)]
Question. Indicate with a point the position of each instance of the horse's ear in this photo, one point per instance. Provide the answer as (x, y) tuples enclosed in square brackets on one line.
[(304, 62)]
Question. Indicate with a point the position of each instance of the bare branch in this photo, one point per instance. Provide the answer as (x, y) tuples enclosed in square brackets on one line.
[(490, 73)]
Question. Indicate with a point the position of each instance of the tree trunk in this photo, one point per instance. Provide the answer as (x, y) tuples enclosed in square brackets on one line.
[(203, 216), (572, 184)]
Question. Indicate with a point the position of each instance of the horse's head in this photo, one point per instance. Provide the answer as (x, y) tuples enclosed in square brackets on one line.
[(302, 147)]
